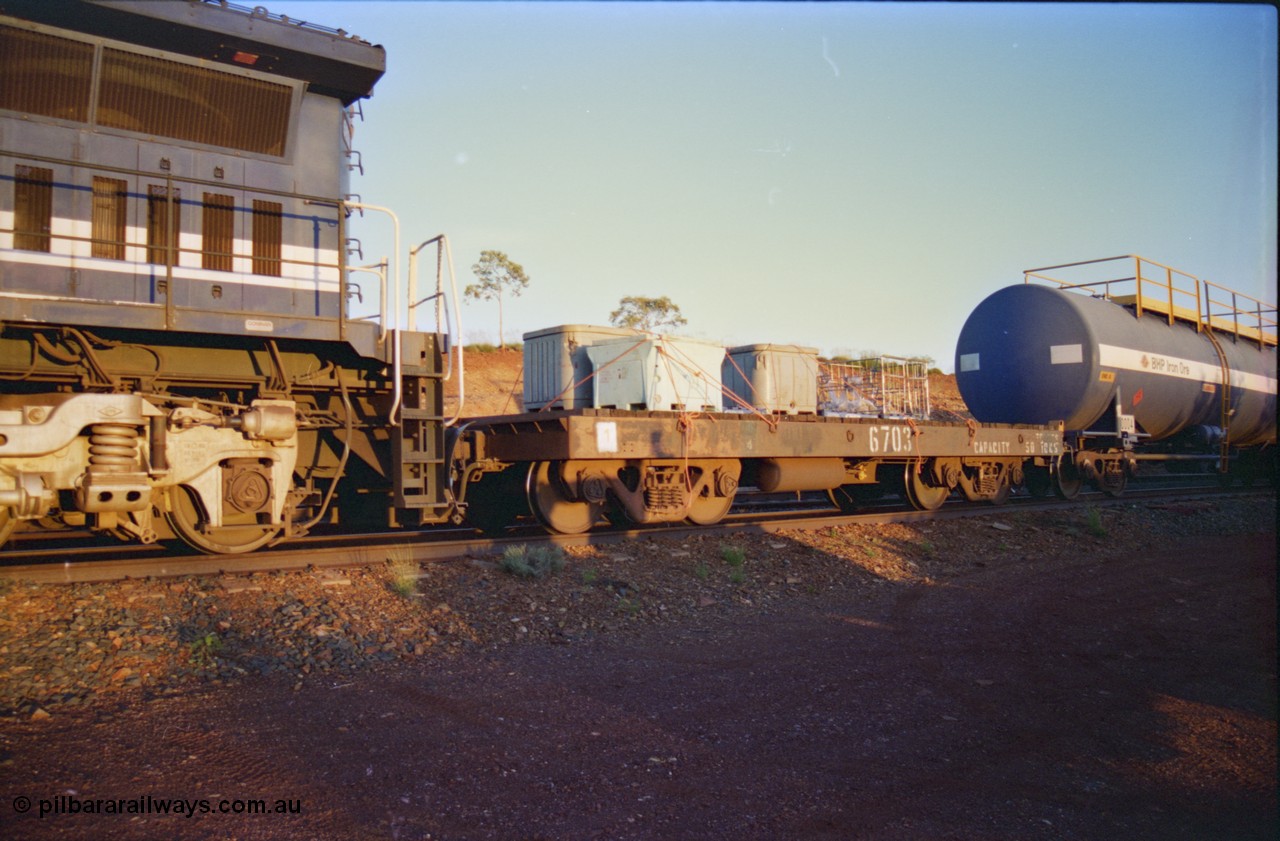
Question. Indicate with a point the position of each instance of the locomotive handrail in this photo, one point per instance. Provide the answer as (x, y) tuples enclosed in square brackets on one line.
[(380, 269), (185, 179), (397, 365), (444, 254)]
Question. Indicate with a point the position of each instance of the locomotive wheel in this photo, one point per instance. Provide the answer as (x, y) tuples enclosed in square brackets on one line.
[(549, 500), (1067, 479), (495, 500), (238, 534), (922, 497)]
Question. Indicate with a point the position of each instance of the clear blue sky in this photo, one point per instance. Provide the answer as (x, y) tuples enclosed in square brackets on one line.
[(849, 176)]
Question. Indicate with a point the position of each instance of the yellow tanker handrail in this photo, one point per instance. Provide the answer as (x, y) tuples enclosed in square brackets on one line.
[(1242, 315), (1172, 293)]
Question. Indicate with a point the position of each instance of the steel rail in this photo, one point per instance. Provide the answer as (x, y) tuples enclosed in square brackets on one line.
[(367, 550)]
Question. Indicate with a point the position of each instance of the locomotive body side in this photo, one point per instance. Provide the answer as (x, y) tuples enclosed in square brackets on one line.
[(158, 189)]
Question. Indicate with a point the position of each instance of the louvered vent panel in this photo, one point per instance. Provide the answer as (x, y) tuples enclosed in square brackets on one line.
[(45, 75), (154, 96)]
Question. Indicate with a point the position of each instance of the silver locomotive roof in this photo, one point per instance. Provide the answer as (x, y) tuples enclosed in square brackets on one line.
[(331, 61)]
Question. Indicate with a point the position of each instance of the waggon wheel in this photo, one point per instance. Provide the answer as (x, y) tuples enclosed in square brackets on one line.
[(8, 524), (715, 496), (923, 497), (238, 533), (550, 502), (1067, 480), (707, 509), (495, 500), (1112, 482), (1038, 481)]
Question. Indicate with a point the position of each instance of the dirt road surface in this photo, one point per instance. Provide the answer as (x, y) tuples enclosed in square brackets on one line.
[(1073, 697)]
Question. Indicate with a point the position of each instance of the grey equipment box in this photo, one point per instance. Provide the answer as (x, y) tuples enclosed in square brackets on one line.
[(661, 373), (774, 379), (555, 358)]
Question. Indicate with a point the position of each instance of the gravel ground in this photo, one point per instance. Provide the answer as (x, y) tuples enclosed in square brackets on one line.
[(66, 646), (1068, 675)]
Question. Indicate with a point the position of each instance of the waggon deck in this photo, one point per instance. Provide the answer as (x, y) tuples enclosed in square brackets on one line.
[(611, 434)]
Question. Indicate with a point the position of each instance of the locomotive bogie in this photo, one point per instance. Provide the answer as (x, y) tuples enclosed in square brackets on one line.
[(248, 428), (105, 455)]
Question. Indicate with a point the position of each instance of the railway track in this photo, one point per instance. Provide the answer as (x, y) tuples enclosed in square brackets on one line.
[(35, 558)]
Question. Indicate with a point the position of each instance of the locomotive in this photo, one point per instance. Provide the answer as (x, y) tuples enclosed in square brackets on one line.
[(180, 358), (178, 352)]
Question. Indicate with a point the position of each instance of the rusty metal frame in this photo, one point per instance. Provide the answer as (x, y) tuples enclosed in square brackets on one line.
[(587, 434)]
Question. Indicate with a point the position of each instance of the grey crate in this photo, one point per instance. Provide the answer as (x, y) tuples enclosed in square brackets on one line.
[(657, 372), (775, 379), (555, 358)]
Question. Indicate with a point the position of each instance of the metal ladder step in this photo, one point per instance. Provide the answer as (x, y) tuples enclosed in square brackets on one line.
[(420, 458), (408, 413)]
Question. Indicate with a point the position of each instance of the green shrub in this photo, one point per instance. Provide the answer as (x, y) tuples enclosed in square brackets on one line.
[(204, 650), (532, 563), (734, 556), (402, 572), (1093, 522)]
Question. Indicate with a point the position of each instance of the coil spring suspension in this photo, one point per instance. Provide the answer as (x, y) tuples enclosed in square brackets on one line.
[(113, 448)]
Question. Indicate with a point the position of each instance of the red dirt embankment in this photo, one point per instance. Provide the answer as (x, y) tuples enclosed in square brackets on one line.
[(495, 383)]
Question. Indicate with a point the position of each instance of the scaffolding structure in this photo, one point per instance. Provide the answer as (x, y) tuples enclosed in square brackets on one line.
[(878, 386)]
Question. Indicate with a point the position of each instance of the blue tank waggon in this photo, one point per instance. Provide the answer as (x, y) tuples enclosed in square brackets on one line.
[(1130, 355)]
